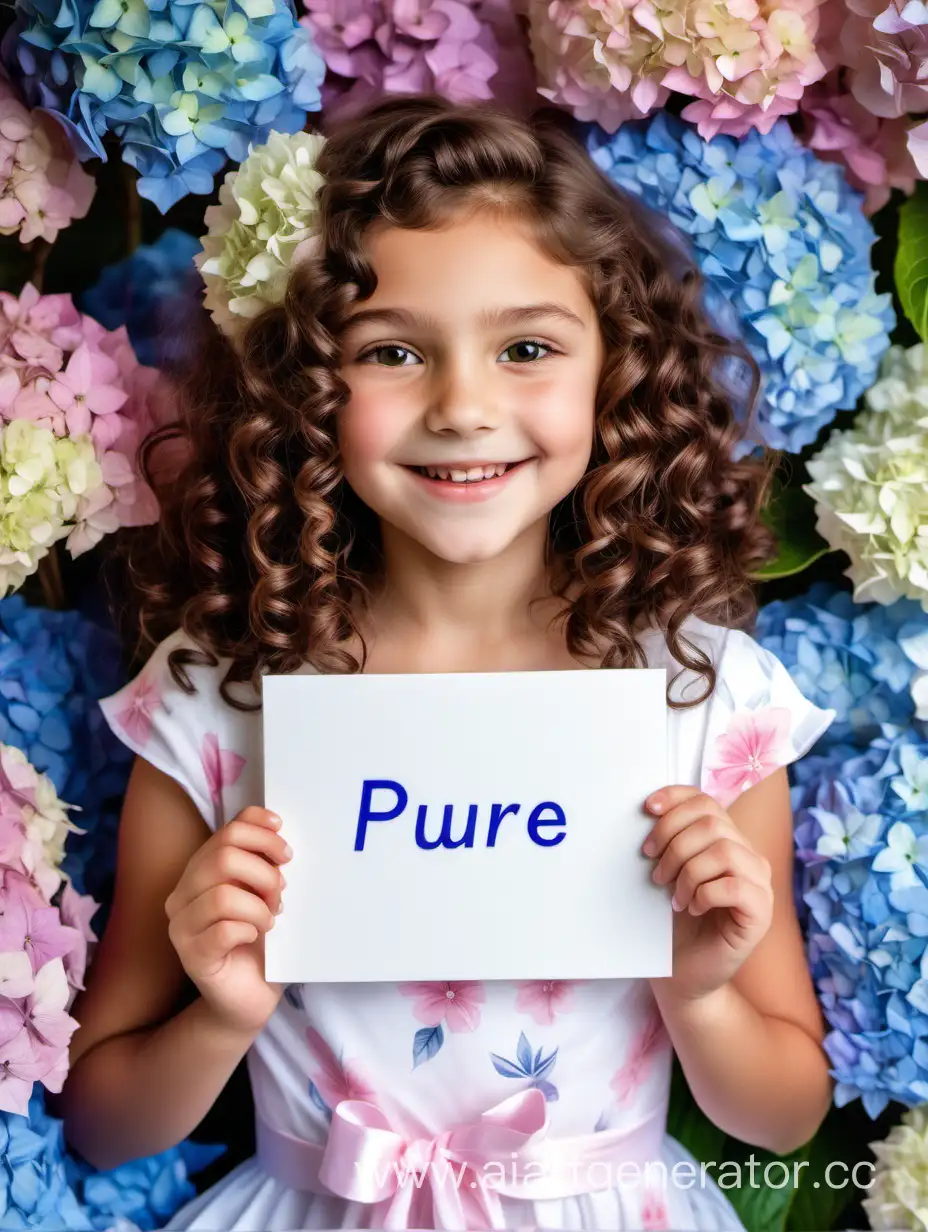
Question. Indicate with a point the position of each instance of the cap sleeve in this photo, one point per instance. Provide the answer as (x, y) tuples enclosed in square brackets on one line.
[(180, 733), (758, 720)]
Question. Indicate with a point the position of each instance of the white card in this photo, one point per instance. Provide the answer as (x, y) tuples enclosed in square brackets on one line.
[(561, 891)]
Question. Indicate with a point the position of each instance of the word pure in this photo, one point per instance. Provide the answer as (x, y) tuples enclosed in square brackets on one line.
[(385, 800)]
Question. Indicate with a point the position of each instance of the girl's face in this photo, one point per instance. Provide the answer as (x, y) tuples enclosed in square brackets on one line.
[(473, 372)]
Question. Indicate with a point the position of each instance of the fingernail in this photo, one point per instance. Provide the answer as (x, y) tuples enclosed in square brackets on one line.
[(658, 874), (288, 851), (283, 881), (280, 908), (649, 847), (655, 806), (275, 820), (676, 906)]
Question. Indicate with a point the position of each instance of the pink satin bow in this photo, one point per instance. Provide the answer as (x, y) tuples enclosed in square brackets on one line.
[(463, 1170)]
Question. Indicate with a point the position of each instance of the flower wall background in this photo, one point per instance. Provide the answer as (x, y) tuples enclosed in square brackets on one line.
[(786, 143)]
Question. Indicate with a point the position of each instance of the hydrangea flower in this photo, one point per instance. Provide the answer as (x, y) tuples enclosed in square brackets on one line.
[(785, 249), (154, 293), (870, 484), (43, 947), (34, 1189), (75, 403), (877, 153), (142, 1194), (464, 51), (898, 1193), (182, 86), (883, 49), (747, 63), (266, 219), (862, 841), (42, 186), (866, 662), (44, 481), (54, 667)]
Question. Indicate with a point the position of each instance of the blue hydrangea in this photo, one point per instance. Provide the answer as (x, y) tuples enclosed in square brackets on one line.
[(44, 1187), (859, 659), (34, 1188), (54, 667), (182, 85), (862, 842), (155, 293), (785, 248)]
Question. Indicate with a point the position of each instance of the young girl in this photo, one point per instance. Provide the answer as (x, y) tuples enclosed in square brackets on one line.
[(485, 430)]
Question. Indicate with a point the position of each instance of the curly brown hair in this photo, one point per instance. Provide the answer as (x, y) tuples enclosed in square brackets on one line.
[(265, 556)]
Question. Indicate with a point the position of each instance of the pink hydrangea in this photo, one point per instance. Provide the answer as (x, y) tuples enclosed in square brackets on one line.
[(43, 949), (462, 51), (65, 372), (876, 153), (884, 52), (746, 62), (43, 188)]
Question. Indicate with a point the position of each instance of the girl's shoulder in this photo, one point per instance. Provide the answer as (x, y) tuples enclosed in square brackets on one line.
[(756, 718), (194, 735)]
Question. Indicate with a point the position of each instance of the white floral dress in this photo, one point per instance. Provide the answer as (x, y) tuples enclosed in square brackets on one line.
[(584, 1065)]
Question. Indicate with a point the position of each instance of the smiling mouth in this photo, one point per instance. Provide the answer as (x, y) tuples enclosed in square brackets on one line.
[(467, 474)]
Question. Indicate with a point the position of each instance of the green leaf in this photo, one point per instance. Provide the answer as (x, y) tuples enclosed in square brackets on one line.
[(790, 514), (822, 1197), (761, 1186), (911, 270)]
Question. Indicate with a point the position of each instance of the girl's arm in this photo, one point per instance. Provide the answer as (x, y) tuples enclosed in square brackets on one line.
[(143, 1072), (752, 1049)]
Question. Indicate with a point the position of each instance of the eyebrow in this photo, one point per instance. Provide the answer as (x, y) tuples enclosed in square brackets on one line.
[(524, 314)]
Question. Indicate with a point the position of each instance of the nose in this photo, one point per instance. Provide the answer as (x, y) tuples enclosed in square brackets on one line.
[(464, 399)]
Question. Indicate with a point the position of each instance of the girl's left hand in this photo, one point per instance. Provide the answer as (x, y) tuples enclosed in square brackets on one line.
[(722, 888)]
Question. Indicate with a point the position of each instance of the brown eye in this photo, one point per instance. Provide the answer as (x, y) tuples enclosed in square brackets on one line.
[(525, 352), (391, 356)]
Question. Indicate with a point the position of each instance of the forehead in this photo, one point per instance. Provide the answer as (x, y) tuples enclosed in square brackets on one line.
[(469, 265)]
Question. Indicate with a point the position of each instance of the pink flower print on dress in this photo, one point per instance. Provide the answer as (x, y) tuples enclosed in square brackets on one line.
[(754, 745), (333, 1081), (456, 1004), (654, 1212), (650, 1040), (140, 700), (545, 999), (221, 767)]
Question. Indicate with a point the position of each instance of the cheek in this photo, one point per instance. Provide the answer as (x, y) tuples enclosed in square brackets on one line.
[(561, 420), (369, 428)]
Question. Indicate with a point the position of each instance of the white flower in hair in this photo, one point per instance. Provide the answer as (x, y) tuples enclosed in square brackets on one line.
[(268, 210)]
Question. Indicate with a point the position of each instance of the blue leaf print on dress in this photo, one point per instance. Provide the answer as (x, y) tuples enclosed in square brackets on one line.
[(319, 1101), (426, 1043), (536, 1067), (292, 993)]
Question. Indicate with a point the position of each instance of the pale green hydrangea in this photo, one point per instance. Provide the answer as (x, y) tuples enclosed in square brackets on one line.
[(870, 484), (268, 209), (898, 1197), (44, 480)]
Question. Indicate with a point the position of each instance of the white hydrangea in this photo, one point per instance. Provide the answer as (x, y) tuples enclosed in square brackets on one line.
[(44, 481), (898, 1197), (267, 210), (46, 825), (870, 484)]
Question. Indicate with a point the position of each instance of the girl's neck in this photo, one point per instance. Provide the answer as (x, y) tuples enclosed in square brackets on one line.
[(493, 615)]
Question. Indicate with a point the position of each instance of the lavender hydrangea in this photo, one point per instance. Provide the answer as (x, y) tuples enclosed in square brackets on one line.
[(867, 662), (785, 248), (862, 841), (183, 86)]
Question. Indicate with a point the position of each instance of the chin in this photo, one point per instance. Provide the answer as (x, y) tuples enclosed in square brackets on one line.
[(457, 552)]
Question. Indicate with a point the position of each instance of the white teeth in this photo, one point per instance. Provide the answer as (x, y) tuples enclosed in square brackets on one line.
[(473, 474)]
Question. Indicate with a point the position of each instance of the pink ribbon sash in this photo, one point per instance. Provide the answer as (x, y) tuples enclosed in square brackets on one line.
[(506, 1152)]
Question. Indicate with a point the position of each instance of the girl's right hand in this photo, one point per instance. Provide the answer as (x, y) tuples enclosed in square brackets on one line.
[(225, 902)]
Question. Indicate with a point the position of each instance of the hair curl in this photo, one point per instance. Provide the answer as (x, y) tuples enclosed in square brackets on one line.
[(265, 556)]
